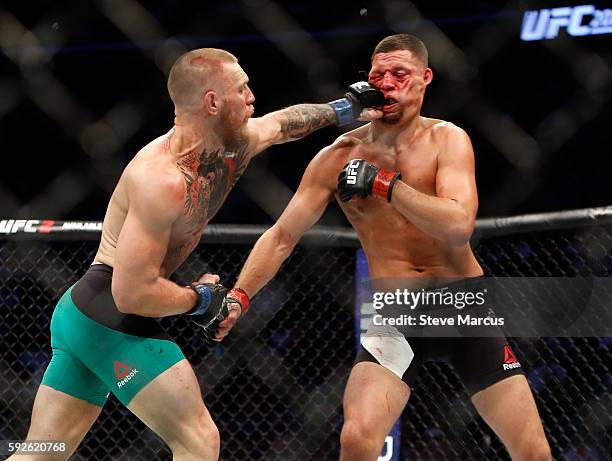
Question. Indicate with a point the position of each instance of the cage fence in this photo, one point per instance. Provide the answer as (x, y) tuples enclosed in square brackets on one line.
[(274, 386)]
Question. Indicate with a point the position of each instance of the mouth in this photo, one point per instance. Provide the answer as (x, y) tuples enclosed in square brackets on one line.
[(390, 103)]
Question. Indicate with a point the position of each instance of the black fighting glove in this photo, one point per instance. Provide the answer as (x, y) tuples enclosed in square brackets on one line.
[(360, 95), (360, 178), (210, 309)]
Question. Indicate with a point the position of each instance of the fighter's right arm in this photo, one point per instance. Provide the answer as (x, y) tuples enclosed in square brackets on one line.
[(316, 190), (138, 285)]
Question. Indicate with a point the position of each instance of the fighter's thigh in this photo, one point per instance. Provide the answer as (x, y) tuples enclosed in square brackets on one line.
[(509, 409), (172, 405), (59, 416), (374, 398)]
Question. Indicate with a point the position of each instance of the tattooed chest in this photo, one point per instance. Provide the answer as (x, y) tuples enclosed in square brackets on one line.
[(208, 181)]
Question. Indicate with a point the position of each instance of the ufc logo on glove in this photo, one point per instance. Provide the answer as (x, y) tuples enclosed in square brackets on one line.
[(351, 172)]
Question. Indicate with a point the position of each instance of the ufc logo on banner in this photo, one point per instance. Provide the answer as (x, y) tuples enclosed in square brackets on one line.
[(578, 20), (351, 171)]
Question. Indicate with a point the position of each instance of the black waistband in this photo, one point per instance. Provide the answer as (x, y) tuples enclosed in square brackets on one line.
[(93, 297)]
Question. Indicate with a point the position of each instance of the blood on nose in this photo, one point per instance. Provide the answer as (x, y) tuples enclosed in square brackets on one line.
[(388, 79)]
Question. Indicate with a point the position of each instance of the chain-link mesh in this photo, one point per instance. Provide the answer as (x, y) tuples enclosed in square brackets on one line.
[(571, 378), (275, 385)]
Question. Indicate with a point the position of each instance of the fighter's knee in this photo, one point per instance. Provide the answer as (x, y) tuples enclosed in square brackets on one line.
[(199, 439), (206, 437), (538, 450), (356, 438), (541, 452), (210, 436)]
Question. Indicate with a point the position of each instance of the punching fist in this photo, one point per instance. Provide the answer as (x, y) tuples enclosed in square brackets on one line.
[(210, 309), (360, 178), (238, 303), (360, 95)]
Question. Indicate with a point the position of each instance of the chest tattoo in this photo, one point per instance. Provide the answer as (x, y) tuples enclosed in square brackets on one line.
[(209, 177)]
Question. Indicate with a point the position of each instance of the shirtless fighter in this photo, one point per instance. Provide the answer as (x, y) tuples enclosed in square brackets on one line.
[(103, 332), (407, 186)]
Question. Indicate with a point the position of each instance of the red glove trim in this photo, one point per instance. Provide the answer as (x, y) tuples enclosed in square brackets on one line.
[(384, 182), (240, 295)]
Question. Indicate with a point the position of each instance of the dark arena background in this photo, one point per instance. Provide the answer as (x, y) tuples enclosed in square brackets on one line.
[(83, 88)]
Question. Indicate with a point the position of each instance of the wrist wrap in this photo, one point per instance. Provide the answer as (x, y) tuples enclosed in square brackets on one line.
[(384, 182), (241, 297), (204, 299), (344, 111)]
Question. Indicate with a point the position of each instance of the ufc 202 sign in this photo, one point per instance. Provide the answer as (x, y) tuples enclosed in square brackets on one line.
[(578, 21)]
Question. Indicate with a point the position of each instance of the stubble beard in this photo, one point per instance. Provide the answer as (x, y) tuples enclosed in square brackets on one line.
[(233, 133), (391, 119)]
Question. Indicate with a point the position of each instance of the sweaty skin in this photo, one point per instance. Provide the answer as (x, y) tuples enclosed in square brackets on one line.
[(425, 231), (174, 186), (202, 184), (394, 245), (157, 213)]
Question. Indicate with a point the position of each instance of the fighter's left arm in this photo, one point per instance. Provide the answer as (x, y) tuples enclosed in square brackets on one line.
[(451, 214), (297, 121)]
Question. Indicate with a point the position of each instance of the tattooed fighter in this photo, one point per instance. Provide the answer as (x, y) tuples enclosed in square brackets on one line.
[(104, 334)]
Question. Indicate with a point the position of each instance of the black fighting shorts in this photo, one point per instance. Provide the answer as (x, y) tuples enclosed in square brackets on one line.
[(479, 361)]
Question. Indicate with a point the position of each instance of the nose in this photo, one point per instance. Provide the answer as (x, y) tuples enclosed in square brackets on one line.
[(387, 82), (250, 97)]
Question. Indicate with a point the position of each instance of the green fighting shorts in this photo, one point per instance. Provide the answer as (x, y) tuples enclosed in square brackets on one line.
[(97, 349)]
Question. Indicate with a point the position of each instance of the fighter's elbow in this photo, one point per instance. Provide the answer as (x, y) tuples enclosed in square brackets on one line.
[(460, 233), (126, 300), (274, 132), (285, 240), (124, 304), (460, 226)]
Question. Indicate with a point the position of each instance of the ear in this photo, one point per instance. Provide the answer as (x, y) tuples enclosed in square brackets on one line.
[(427, 76), (211, 102)]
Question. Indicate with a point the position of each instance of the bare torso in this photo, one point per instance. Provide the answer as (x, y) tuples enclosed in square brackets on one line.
[(208, 180), (393, 245)]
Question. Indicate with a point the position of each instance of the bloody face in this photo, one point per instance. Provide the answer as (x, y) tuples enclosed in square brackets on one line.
[(402, 78)]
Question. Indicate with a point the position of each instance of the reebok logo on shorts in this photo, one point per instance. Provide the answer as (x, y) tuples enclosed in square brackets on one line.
[(123, 373), (510, 361)]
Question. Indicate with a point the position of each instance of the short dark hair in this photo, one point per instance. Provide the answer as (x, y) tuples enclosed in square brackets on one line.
[(193, 70), (402, 42)]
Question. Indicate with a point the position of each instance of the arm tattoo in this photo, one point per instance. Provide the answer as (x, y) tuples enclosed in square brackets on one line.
[(301, 120)]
